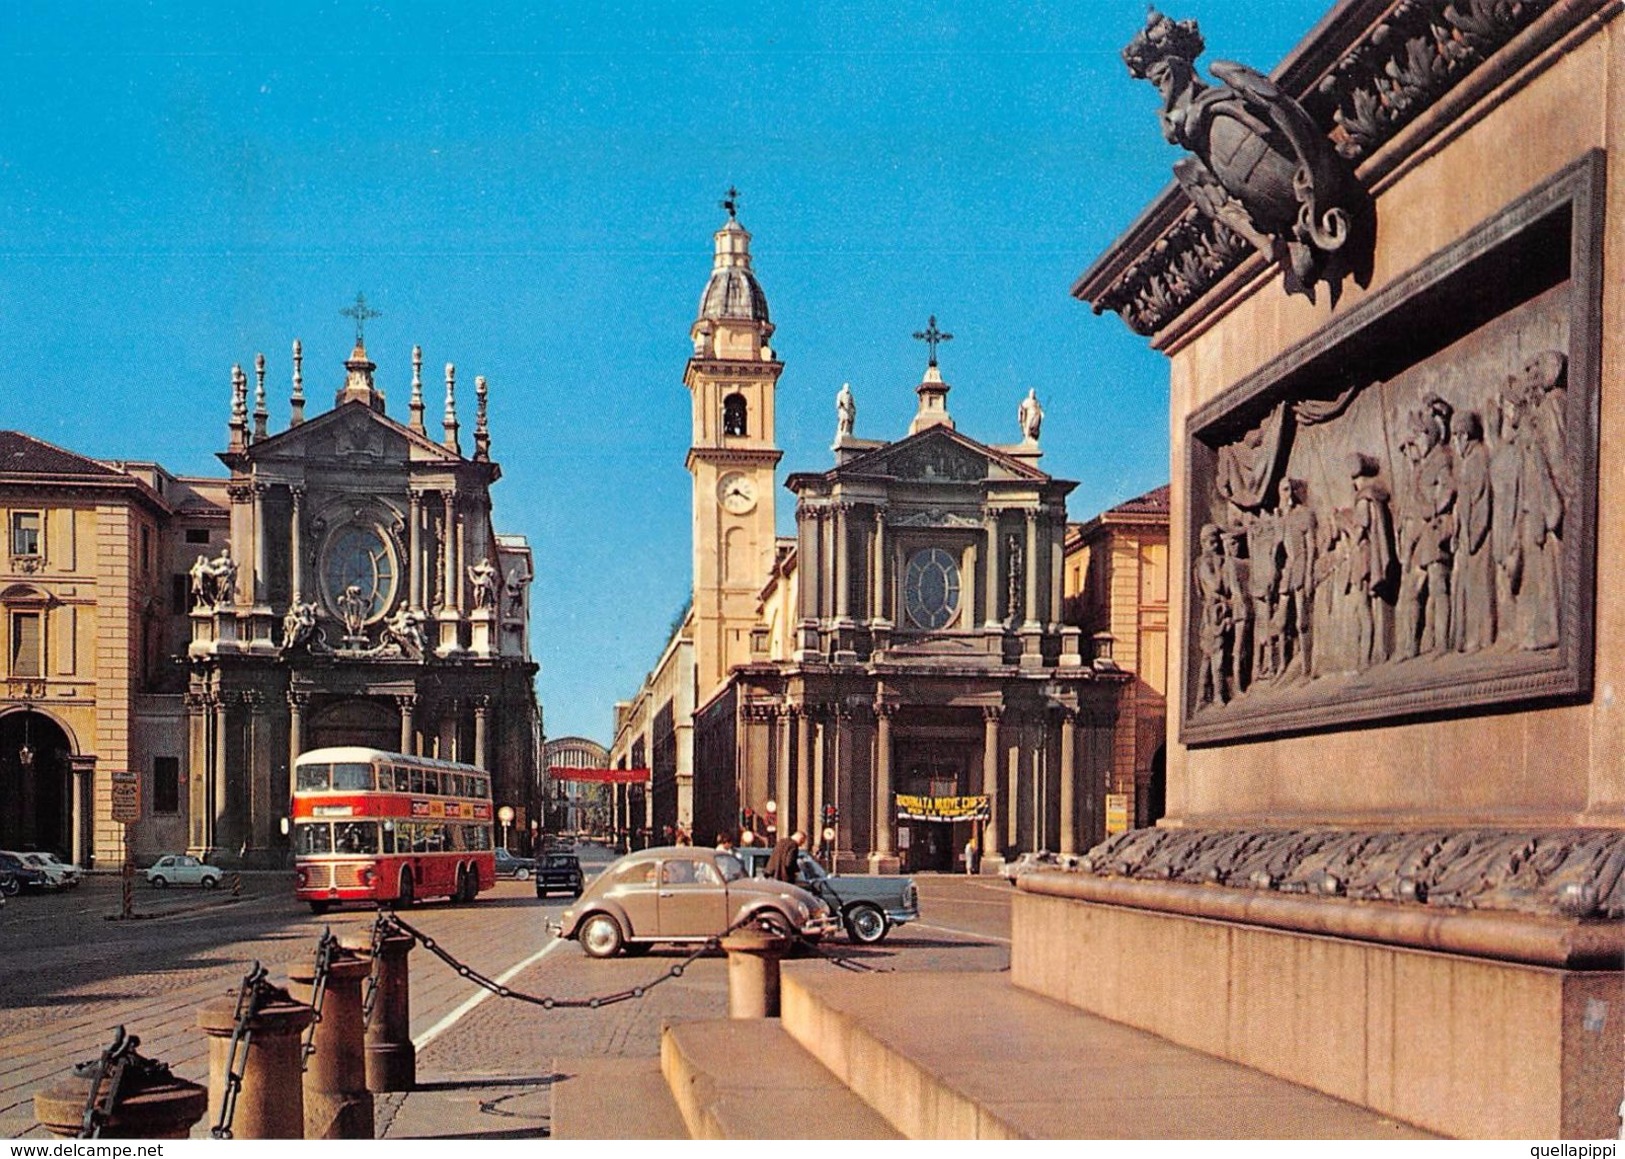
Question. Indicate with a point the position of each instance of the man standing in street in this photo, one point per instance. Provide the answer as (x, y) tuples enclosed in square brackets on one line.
[(781, 863), (970, 856)]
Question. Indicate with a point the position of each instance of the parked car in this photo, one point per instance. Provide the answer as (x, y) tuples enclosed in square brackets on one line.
[(559, 873), (17, 875), (869, 905), (183, 869), (518, 868), (58, 874), (684, 893)]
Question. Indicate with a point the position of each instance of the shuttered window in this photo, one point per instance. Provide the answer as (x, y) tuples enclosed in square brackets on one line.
[(25, 644)]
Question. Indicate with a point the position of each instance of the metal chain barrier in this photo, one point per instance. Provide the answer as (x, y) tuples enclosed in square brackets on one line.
[(249, 997), (325, 949), (370, 996), (106, 1076)]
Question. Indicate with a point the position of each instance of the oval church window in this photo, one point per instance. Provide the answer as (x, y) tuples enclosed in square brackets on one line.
[(931, 589), (358, 557)]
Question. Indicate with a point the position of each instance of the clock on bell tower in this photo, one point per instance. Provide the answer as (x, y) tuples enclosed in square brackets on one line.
[(731, 378)]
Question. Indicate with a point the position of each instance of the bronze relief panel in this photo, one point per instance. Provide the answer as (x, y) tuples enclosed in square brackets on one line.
[(1395, 519)]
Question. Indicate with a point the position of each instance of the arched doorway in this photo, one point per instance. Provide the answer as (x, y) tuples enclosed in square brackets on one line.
[(1156, 790), (36, 784), (359, 721)]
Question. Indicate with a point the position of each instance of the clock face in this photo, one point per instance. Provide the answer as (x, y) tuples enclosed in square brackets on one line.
[(359, 556), (736, 492)]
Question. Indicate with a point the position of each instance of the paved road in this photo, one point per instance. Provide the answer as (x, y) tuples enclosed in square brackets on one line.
[(70, 976)]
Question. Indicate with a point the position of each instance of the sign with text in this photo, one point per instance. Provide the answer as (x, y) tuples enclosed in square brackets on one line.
[(1116, 813), (126, 797), (916, 808)]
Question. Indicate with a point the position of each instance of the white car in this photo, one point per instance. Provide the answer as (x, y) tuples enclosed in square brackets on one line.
[(58, 874), (183, 869)]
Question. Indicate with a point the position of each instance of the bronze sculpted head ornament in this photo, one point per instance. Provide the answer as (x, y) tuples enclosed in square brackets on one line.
[(1262, 167)]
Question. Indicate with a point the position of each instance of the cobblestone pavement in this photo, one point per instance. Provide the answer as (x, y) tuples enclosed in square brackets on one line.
[(68, 977)]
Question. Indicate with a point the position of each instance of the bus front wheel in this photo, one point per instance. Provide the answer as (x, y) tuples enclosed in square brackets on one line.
[(405, 898)]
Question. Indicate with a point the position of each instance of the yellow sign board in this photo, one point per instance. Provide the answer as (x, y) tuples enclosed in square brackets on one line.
[(1116, 813), (917, 808)]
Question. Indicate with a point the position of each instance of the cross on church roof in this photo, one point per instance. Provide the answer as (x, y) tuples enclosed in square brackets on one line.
[(931, 336), (730, 202), (360, 312)]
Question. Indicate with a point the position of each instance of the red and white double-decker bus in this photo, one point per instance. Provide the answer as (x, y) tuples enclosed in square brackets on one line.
[(371, 826)]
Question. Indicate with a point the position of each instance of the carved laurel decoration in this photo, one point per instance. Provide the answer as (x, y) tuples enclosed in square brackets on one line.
[(1576, 873)]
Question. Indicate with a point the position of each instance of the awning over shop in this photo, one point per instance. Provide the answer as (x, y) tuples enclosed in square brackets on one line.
[(599, 776), (912, 808)]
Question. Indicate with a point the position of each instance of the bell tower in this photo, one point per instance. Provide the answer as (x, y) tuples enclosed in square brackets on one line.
[(731, 379)]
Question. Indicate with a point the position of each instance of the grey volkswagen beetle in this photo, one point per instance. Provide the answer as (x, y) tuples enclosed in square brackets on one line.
[(684, 893)]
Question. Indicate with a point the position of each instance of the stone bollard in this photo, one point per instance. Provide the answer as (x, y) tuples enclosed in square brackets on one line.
[(271, 1103), (392, 1063), (152, 1103), (338, 1104), (753, 972)]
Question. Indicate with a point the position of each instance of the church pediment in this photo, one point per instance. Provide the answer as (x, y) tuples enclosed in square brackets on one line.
[(350, 435), (939, 455)]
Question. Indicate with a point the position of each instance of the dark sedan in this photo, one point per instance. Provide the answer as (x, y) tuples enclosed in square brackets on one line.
[(559, 873), (15, 874), (508, 865)]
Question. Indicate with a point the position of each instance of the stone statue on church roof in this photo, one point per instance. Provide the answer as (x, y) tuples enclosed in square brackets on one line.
[(846, 412), (1031, 416)]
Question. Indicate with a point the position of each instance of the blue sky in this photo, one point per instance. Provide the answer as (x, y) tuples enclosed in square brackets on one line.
[(529, 191)]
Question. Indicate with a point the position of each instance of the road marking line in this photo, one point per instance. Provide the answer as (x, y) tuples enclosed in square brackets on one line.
[(480, 995), (952, 930)]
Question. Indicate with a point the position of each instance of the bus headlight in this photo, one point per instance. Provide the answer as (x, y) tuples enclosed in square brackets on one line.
[(368, 877)]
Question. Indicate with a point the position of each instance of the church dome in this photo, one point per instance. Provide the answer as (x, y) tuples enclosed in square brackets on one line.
[(733, 294)]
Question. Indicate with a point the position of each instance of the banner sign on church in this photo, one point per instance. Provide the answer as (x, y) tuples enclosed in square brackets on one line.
[(914, 808), (599, 776)]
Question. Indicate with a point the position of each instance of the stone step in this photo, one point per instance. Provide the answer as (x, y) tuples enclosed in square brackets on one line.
[(969, 1056), (613, 1098), (747, 1079)]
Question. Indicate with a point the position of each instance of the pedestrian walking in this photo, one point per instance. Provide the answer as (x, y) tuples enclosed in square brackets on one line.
[(970, 856), (781, 863)]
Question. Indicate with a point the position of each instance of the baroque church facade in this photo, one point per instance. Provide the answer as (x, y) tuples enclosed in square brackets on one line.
[(897, 674), (363, 598), (173, 643)]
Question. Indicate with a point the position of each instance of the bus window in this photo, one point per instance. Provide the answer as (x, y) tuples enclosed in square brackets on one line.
[(431, 782), (389, 837), (456, 787), (312, 776), (355, 836), (352, 775), (312, 837), (417, 780), (403, 779), (480, 788), (437, 838)]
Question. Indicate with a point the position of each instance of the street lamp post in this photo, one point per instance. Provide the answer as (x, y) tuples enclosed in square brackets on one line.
[(505, 815), (772, 811)]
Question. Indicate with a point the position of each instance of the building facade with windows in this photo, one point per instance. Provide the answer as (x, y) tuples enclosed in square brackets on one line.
[(1116, 591), (172, 644)]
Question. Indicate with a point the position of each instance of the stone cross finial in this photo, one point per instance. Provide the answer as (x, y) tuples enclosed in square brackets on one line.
[(416, 405), (360, 312), (932, 337), (730, 202), (297, 402), (450, 420)]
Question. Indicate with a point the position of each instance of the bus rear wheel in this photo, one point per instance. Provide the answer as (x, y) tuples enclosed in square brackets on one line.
[(406, 896), (471, 885), (320, 907)]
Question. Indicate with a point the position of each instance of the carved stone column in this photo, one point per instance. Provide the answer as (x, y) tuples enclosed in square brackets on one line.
[(296, 558), (82, 770), (804, 770), (841, 785), (1031, 620), (807, 531), (414, 551), (826, 576), (258, 580), (260, 804), (992, 838), (448, 552), (990, 568), (885, 824), (220, 796), (1068, 779), (879, 611), (241, 496), (482, 712), (1057, 569), (199, 762), (782, 781), (408, 706), (843, 564), (296, 726)]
